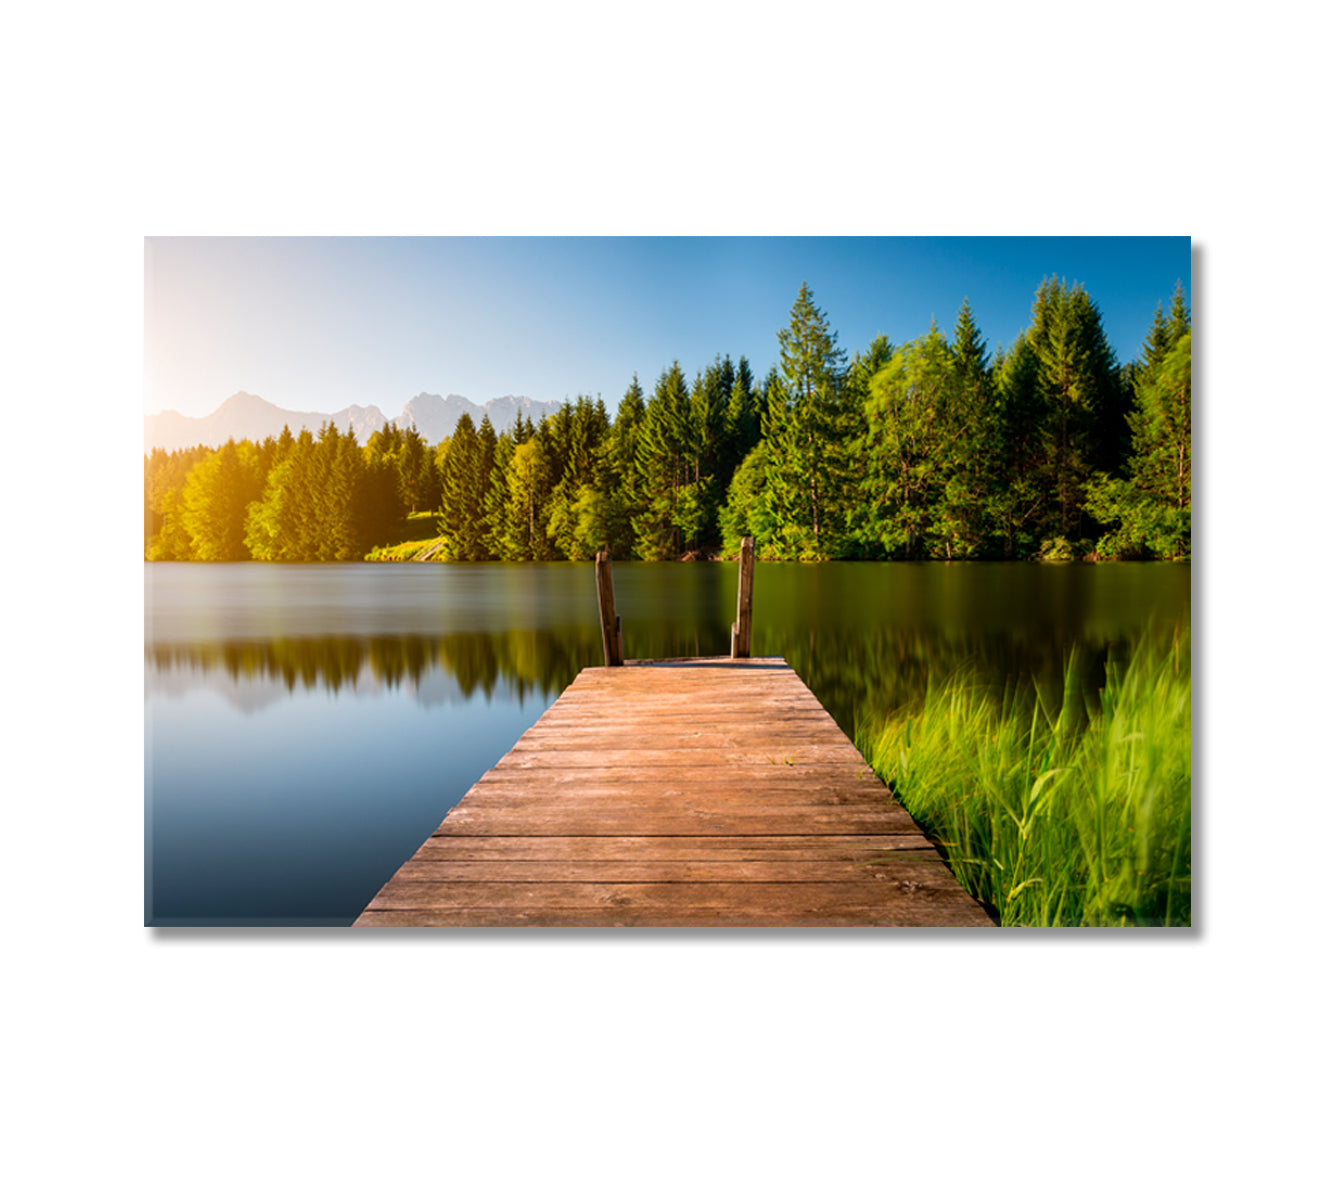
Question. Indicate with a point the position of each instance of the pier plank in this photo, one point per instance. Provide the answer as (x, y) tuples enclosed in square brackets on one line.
[(704, 792)]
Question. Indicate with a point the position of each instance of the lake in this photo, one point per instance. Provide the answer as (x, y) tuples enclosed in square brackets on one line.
[(307, 727)]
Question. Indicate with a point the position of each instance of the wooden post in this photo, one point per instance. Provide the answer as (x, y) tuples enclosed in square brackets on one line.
[(607, 618), (745, 590)]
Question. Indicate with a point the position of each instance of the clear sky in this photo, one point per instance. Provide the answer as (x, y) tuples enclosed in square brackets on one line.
[(316, 324)]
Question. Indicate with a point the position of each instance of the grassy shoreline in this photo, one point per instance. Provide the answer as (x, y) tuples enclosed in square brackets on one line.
[(1071, 815)]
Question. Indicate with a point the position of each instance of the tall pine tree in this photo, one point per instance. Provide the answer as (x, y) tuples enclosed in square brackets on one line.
[(807, 433), (1083, 408), (1147, 511), (663, 462)]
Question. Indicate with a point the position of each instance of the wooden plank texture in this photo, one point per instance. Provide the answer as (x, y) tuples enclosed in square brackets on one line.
[(698, 792)]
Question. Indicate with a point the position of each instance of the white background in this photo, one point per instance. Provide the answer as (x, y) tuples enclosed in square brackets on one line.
[(332, 1063)]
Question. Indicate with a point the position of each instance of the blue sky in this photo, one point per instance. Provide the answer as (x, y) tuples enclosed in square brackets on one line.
[(316, 324)]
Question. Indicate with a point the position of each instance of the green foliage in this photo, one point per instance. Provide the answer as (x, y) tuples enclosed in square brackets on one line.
[(465, 477), (1057, 550), (1073, 815), (1017, 502), (619, 473), (214, 502), (968, 348), (574, 442), (912, 425), (744, 514), (1080, 404), (421, 549), (741, 421), (324, 500), (663, 462), (578, 525), (165, 537), (809, 428), (932, 468), (808, 353), (527, 479), (409, 456), (414, 534), (925, 450), (1148, 512)]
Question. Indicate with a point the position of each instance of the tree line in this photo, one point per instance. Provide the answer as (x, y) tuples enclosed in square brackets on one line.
[(934, 449)]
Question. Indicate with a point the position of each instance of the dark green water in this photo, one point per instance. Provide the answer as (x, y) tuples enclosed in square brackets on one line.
[(308, 726)]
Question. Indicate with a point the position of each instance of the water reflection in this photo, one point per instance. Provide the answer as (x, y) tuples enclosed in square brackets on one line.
[(307, 727), (865, 637), (860, 675), (525, 661)]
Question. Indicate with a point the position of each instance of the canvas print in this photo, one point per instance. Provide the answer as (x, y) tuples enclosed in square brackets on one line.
[(661, 581)]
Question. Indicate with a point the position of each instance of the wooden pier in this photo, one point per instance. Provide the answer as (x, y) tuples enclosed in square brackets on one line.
[(700, 792)]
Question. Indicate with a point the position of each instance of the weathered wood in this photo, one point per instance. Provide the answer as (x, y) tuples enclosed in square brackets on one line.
[(428, 870), (832, 847), (709, 792), (918, 913), (652, 756), (607, 618), (582, 788), (465, 822), (714, 894), (744, 600)]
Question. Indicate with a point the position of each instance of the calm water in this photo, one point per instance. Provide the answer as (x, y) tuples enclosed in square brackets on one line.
[(307, 727)]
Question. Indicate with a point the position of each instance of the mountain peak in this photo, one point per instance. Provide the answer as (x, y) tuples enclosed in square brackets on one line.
[(244, 415), (244, 408)]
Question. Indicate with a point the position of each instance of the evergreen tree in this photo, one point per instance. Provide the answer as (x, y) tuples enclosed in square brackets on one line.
[(496, 534), (741, 421), (378, 503), (165, 538), (745, 514), (975, 470), (416, 478), (1148, 512), (924, 450), (572, 442), (862, 539), (1083, 406), (1157, 342), (619, 472), (1017, 497), (662, 464), (808, 434), (808, 354), (214, 502), (577, 526), (343, 498), (285, 525), (706, 447), (486, 463), (865, 366), (528, 480), (1179, 321), (912, 422), (463, 499)]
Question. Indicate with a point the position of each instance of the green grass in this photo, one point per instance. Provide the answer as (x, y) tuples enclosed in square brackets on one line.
[(1077, 814), (414, 534), (401, 552)]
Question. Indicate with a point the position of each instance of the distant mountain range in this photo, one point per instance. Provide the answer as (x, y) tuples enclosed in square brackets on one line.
[(245, 416)]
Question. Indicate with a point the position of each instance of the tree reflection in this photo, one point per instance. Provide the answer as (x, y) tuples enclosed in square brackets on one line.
[(859, 676), (546, 660)]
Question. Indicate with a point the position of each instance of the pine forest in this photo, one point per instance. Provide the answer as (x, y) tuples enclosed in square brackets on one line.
[(1047, 448)]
